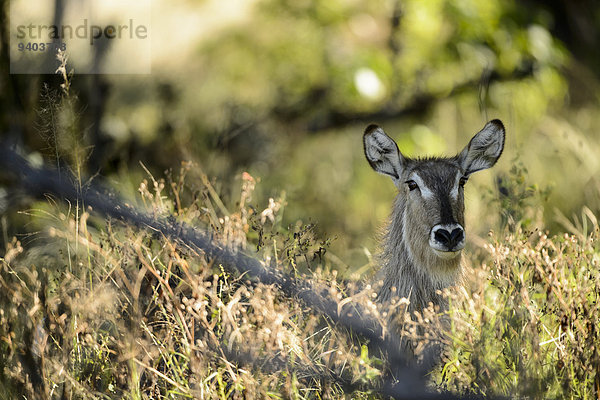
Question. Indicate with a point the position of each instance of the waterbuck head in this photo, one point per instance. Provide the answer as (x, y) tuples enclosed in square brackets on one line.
[(428, 217)]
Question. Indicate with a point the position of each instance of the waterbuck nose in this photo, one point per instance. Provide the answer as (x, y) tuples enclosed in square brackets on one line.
[(448, 236)]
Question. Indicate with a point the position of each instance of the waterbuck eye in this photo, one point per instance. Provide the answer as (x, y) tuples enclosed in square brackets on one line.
[(462, 181), (412, 185)]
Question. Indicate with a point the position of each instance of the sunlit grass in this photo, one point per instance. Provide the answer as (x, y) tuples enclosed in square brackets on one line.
[(96, 309)]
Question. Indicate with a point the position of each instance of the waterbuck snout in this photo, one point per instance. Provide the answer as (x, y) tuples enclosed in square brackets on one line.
[(421, 253)]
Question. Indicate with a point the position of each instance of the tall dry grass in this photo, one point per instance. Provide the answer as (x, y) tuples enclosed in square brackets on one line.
[(92, 308)]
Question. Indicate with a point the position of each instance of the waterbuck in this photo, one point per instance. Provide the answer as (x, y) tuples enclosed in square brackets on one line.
[(421, 253)]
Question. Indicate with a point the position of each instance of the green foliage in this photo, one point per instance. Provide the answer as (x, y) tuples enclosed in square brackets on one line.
[(297, 66), (520, 203)]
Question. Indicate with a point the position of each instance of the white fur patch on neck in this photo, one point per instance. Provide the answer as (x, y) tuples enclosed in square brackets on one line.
[(425, 191)]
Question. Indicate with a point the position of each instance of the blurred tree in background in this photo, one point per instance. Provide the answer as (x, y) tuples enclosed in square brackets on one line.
[(283, 89)]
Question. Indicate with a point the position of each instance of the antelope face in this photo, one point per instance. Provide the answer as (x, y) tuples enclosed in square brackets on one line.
[(433, 193), (431, 190)]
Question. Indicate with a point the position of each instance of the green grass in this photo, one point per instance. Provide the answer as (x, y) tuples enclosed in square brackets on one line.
[(527, 326), (95, 309)]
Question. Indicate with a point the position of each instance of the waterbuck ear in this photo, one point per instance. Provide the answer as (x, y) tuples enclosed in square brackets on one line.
[(484, 149), (382, 152)]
